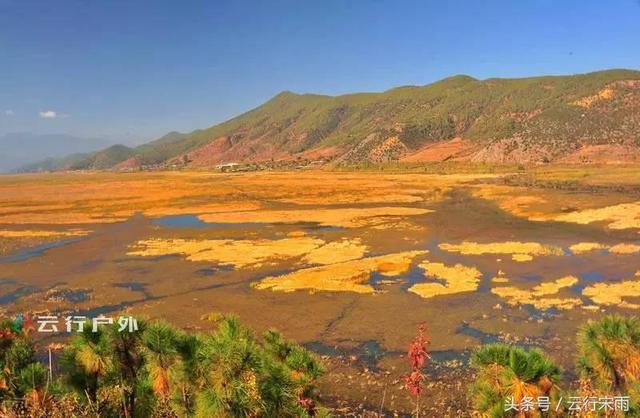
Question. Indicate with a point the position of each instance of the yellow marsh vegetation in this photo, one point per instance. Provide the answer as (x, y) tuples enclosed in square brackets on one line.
[(622, 216), (538, 295), (30, 233), (336, 252), (520, 251), (342, 217), (585, 247), (349, 276), (458, 279), (239, 253), (614, 294), (625, 249)]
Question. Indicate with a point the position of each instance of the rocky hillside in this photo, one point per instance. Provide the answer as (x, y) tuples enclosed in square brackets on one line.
[(584, 118)]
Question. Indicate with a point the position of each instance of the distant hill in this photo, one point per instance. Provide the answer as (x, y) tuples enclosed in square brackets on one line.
[(584, 118), (19, 149), (97, 160)]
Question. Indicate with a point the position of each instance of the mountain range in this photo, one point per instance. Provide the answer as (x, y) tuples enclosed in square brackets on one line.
[(23, 148), (585, 118)]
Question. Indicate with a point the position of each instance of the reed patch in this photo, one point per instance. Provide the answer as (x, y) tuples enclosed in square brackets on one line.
[(349, 276), (340, 217), (457, 279), (614, 294), (538, 295), (520, 251), (238, 253)]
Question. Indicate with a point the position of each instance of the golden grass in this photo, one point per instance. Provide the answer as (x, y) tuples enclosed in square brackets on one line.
[(558, 303), (387, 223), (29, 233), (622, 248), (342, 217), (520, 251), (585, 247), (370, 196), (239, 253), (296, 234), (458, 279), (392, 268), (17, 207), (55, 218), (551, 288), (625, 249), (349, 276), (556, 204), (222, 207), (517, 201), (500, 278), (537, 296), (622, 216), (336, 252), (86, 198), (521, 257), (613, 294), (592, 174), (14, 240)]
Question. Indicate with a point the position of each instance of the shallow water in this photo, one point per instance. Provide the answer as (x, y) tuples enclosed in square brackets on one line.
[(36, 251), (192, 221), (13, 296)]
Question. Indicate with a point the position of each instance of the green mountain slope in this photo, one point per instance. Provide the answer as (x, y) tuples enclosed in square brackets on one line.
[(99, 160), (506, 120)]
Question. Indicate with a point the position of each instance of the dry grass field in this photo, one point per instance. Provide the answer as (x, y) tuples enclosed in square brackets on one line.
[(345, 262)]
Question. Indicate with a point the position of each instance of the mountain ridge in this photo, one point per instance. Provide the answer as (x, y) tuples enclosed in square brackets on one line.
[(592, 117), (18, 149)]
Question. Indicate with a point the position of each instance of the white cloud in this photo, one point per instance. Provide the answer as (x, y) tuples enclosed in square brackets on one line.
[(52, 114), (48, 114), (9, 112)]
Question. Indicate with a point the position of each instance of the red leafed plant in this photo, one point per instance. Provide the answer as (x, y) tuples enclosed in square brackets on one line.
[(417, 354), (412, 382)]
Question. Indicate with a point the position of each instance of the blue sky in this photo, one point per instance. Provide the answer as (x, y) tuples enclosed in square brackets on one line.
[(134, 70)]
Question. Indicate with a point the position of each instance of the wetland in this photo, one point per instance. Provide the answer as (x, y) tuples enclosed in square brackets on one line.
[(347, 263)]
